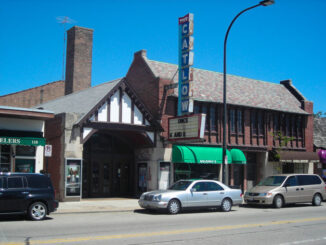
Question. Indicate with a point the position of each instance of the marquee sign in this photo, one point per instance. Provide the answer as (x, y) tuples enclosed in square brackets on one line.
[(187, 128), (186, 60)]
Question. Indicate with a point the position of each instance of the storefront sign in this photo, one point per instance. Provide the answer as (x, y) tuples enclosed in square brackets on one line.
[(22, 141), (187, 128), (73, 177), (186, 60)]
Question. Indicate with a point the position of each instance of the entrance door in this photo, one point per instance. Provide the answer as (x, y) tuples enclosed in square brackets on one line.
[(100, 178), (120, 177)]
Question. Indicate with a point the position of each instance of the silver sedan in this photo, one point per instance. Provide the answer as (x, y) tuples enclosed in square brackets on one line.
[(192, 194)]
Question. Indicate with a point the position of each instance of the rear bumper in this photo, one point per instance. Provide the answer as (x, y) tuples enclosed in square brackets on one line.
[(53, 206)]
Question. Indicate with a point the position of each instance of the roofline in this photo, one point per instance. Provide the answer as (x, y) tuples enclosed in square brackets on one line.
[(1, 96), (25, 112)]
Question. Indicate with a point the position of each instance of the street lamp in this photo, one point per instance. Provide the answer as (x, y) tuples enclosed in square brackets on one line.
[(262, 3)]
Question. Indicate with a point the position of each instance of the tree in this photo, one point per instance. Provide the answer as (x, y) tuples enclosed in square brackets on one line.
[(284, 140), (320, 114)]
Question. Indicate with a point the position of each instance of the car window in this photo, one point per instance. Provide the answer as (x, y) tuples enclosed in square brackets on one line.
[(272, 181), (38, 181), (180, 185), (291, 181), (309, 180), (15, 182), (212, 186), (200, 186)]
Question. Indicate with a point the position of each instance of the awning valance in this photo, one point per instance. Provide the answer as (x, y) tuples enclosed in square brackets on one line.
[(238, 156), (32, 141), (203, 155), (298, 156)]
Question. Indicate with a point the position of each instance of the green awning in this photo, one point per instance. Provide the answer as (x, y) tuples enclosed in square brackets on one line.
[(238, 156), (198, 154), (33, 141)]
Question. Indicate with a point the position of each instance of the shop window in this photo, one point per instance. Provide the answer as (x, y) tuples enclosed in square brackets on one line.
[(5, 158), (23, 150)]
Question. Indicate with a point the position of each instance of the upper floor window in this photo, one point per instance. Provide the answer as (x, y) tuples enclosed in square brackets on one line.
[(236, 121), (299, 126), (276, 123), (212, 117), (254, 123), (260, 123)]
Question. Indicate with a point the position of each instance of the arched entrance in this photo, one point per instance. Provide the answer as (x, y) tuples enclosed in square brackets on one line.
[(108, 167)]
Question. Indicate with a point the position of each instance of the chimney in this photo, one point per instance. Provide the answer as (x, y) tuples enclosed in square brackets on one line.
[(79, 59)]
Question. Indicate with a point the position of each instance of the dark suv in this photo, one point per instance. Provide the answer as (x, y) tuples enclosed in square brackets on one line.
[(28, 193)]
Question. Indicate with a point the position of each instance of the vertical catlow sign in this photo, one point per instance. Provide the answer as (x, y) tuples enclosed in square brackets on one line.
[(186, 59)]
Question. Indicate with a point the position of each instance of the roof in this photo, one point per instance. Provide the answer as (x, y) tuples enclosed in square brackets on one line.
[(80, 102), (320, 132), (208, 86)]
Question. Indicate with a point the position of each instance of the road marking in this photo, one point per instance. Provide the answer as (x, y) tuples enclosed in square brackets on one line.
[(160, 233), (304, 241)]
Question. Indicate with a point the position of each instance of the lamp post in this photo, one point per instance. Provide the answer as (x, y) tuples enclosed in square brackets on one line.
[(262, 3)]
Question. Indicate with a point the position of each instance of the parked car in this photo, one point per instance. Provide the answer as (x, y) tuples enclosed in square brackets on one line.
[(192, 194), (27, 193), (279, 190)]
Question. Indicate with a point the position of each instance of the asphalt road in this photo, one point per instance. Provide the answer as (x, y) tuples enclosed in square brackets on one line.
[(300, 224)]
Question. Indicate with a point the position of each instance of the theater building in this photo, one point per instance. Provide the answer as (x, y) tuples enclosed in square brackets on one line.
[(112, 139)]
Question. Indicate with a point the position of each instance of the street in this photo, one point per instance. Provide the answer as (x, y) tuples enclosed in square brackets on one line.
[(299, 224)]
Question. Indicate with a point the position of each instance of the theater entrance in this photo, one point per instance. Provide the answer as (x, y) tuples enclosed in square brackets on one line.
[(108, 169)]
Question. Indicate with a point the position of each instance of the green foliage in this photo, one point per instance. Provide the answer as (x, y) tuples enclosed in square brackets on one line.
[(320, 114), (284, 140)]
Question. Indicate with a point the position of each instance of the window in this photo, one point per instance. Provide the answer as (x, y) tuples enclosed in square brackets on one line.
[(39, 182), (276, 123), (291, 181), (253, 123), (239, 121), (299, 126), (23, 150), (260, 123), (232, 121), (5, 158), (1, 183), (287, 125), (309, 180), (211, 186), (204, 110), (201, 186), (213, 118), (15, 182), (196, 108)]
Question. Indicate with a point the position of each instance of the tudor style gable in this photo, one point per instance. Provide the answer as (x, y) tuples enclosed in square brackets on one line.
[(122, 113)]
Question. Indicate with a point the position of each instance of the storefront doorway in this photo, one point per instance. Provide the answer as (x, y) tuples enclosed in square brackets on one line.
[(108, 167)]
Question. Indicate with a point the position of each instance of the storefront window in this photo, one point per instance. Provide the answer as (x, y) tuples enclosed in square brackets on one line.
[(196, 171), (5, 158), (24, 150)]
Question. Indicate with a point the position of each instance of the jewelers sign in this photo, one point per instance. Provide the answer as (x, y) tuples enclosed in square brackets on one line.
[(187, 128), (186, 60)]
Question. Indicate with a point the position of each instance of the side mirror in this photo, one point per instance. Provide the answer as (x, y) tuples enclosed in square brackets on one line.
[(193, 190)]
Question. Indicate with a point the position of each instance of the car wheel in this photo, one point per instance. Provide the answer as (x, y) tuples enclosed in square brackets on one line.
[(278, 201), (316, 200), (37, 211), (174, 206), (226, 205)]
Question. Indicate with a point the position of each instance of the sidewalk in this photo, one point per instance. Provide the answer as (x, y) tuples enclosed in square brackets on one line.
[(98, 205)]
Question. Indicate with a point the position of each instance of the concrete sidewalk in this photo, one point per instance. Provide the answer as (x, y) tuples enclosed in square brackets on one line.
[(98, 205)]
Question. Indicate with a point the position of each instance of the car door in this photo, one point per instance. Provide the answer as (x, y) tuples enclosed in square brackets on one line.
[(215, 194), (307, 187), (198, 195), (292, 190), (14, 195), (2, 182)]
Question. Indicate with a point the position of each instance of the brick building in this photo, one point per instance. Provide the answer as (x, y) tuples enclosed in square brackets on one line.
[(112, 139)]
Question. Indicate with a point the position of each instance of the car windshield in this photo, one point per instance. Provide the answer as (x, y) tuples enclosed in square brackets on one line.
[(272, 181), (180, 185)]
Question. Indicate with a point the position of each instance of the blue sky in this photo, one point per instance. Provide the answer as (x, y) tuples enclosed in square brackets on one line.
[(283, 41)]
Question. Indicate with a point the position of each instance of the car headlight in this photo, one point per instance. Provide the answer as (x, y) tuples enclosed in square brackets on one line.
[(265, 194), (157, 198)]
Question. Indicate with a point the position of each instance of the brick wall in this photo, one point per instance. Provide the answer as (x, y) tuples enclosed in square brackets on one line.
[(55, 136), (34, 96)]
